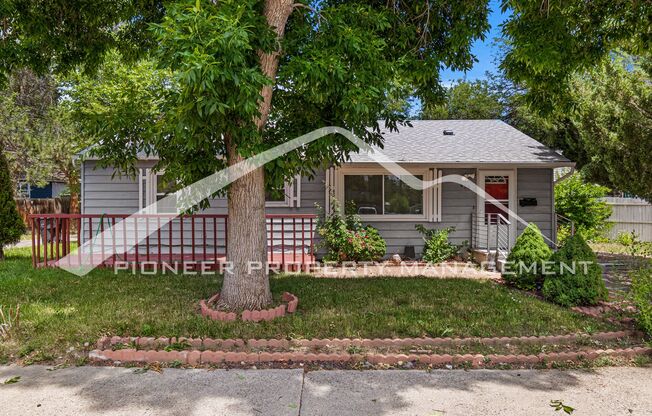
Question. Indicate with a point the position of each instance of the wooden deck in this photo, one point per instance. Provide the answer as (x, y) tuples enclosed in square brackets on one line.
[(162, 239)]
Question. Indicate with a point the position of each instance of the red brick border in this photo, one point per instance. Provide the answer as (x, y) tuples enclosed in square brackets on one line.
[(216, 344), (475, 361), (247, 315), (602, 308)]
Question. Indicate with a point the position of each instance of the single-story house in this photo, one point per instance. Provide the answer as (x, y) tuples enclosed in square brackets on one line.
[(510, 166), (52, 189)]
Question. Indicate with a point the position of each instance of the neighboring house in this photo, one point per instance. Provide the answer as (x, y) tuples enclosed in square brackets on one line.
[(509, 165), (52, 189)]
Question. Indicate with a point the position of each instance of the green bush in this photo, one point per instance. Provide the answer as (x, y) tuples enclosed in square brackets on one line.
[(436, 247), (345, 239), (576, 277), (634, 247), (525, 262), (582, 203), (641, 293), (12, 226)]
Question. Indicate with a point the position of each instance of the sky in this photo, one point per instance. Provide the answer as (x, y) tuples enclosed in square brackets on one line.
[(485, 51)]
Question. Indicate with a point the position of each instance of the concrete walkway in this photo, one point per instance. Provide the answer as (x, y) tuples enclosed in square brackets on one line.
[(122, 391)]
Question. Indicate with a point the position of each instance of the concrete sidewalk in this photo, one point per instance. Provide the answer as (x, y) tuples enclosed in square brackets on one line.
[(122, 391)]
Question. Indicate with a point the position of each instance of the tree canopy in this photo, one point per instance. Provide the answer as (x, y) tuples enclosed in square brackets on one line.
[(548, 42), (474, 100)]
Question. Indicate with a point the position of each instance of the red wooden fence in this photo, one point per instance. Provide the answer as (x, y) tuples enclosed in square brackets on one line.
[(188, 238)]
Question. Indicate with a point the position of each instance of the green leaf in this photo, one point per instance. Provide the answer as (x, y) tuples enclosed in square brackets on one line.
[(12, 380)]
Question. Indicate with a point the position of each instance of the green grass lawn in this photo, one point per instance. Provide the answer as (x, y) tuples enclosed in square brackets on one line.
[(60, 310)]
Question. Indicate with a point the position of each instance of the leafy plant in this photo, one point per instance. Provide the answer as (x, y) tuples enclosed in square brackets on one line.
[(346, 239), (525, 262), (641, 293), (576, 277), (558, 405), (12, 380), (631, 241), (582, 203), (436, 247)]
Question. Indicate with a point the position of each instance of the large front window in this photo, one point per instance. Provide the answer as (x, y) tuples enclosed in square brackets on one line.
[(382, 195)]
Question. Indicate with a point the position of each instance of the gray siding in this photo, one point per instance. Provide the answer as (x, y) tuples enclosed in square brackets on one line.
[(103, 193), (536, 183), (106, 193)]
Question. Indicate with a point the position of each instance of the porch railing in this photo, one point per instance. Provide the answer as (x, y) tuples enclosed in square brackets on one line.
[(490, 232), (187, 238), (563, 222)]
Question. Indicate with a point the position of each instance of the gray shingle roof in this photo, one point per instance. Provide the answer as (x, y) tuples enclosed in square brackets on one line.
[(473, 141)]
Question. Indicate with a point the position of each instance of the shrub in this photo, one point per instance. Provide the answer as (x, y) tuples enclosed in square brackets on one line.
[(627, 238), (641, 292), (576, 277), (525, 261), (633, 246), (437, 248), (11, 225), (582, 203), (345, 239)]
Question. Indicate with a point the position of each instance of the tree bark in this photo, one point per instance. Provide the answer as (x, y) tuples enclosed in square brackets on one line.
[(246, 282)]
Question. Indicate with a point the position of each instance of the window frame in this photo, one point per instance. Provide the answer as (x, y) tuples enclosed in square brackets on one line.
[(148, 188), (148, 191), (431, 197), (288, 191)]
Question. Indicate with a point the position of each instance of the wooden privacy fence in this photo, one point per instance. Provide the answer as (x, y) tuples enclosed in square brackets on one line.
[(29, 206), (188, 238), (630, 214)]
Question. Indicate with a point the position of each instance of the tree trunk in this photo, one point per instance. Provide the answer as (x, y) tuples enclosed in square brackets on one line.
[(246, 283)]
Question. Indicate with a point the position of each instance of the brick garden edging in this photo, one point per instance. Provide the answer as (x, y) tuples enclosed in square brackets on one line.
[(602, 308), (214, 344), (196, 357), (209, 351), (247, 315)]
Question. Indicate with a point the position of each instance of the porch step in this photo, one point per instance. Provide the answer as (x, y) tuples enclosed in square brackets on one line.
[(487, 259)]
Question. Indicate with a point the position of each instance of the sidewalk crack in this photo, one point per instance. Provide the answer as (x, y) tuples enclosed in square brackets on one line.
[(303, 382)]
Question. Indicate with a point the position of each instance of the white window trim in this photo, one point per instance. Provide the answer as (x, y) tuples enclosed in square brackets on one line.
[(147, 194), (148, 183), (292, 191), (431, 196)]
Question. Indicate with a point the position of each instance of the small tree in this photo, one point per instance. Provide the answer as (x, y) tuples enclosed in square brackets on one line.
[(577, 278), (582, 203), (525, 261), (11, 225)]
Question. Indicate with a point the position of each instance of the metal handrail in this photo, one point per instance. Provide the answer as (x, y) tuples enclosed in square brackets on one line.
[(568, 220)]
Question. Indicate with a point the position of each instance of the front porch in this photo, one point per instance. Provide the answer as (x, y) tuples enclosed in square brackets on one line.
[(150, 240)]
